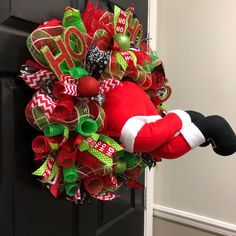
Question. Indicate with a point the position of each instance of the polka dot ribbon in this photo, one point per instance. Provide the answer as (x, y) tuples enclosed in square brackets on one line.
[(102, 147)]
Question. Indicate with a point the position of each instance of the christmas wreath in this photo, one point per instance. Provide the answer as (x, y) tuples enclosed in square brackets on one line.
[(98, 102), (77, 61)]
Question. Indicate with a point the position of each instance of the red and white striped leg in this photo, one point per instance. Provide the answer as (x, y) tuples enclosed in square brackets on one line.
[(188, 138), (147, 133)]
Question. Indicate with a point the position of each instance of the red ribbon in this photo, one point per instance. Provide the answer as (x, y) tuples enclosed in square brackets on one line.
[(63, 110), (93, 185), (67, 87), (54, 189), (42, 144), (120, 27), (49, 167), (110, 182), (44, 101), (65, 158)]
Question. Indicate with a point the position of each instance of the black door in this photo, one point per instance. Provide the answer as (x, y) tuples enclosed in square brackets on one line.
[(25, 208)]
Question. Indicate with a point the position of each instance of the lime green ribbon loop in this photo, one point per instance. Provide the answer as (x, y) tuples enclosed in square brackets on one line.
[(117, 12), (54, 130), (55, 170), (134, 58), (71, 188), (70, 177), (72, 17), (122, 62), (76, 72), (87, 126), (43, 168), (154, 58), (70, 174)]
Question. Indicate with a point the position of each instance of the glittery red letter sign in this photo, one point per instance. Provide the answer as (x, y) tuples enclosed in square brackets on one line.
[(75, 43), (43, 36), (61, 60)]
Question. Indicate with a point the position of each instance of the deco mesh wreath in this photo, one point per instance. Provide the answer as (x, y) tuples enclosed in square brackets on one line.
[(78, 61)]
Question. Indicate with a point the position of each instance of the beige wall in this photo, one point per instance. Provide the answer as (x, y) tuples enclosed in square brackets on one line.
[(197, 42), (168, 228)]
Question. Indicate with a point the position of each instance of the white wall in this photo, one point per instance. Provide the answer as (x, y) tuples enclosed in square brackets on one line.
[(197, 42)]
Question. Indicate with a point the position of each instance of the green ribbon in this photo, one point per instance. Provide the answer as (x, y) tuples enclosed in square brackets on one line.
[(70, 174), (117, 12), (72, 17), (70, 177), (54, 130), (100, 118), (76, 72), (153, 64), (120, 167), (39, 118), (55, 169), (87, 126), (41, 170), (131, 159), (134, 58), (92, 149), (111, 142), (86, 145), (71, 188), (123, 63), (54, 146)]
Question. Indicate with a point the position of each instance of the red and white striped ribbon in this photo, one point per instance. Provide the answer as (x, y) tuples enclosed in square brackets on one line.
[(108, 84), (48, 170), (105, 196), (44, 101), (33, 80)]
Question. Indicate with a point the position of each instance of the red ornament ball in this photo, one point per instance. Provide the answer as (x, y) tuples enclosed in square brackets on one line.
[(88, 86)]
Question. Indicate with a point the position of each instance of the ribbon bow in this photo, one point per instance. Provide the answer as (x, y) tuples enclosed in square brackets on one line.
[(124, 56)]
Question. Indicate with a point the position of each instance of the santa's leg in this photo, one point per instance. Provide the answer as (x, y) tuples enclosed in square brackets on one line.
[(188, 138), (213, 128), (146, 133), (220, 134), (195, 117), (176, 147)]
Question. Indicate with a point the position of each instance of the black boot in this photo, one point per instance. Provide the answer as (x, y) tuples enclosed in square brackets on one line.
[(195, 117), (218, 131)]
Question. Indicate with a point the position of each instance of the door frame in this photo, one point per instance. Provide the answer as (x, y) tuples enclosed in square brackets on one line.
[(149, 174)]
